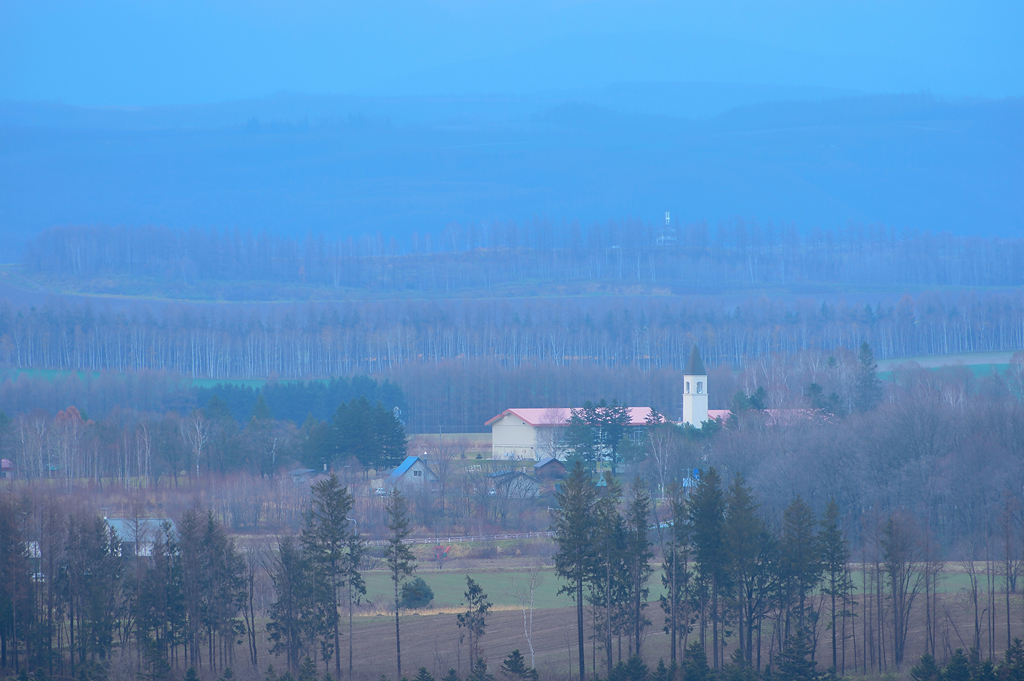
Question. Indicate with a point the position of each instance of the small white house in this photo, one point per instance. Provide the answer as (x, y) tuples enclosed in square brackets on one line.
[(413, 475)]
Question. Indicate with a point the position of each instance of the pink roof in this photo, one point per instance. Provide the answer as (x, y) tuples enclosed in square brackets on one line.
[(559, 416), (719, 414)]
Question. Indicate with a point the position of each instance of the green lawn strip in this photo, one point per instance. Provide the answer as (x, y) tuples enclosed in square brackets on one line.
[(951, 580), (449, 586), (979, 370)]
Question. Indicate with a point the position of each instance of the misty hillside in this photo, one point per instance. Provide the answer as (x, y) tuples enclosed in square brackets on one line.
[(351, 166)]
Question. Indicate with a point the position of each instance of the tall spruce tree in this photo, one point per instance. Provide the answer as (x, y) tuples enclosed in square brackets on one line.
[(638, 552), (355, 548), (606, 579), (707, 520), (326, 539), (748, 547), (675, 577), (574, 535), (612, 421), (291, 576), (399, 557), (475, 617), (835, 555), (800, 562), (795, 662), (580, 437), (867, 389)]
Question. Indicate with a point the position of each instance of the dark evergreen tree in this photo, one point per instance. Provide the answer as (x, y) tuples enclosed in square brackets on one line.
[(707, 520), (638, 556), (307, 670), (926, 669), (260, 410), (95, 570), (958, 668), (574, 535), (580, 440), (695, 663), (800, 563), (371, 433), (479, 671), (356, 586), (399, 557), (749, 550), (475, 617), (675, 577), (831, 404), (632, 669), (514, 668), (794, 663), (291, 575), (867, 389), (416, 594), (326, 538), (759, 399), (663, 672), (835, 555), (1012, 666), (608, 584)]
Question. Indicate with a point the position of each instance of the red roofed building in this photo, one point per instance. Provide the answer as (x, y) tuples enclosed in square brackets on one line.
[(535, 433)]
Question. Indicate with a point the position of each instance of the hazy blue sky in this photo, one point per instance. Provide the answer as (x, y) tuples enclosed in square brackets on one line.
[(126, 52)]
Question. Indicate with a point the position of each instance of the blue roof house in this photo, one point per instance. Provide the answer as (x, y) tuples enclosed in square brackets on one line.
[(413, 475)]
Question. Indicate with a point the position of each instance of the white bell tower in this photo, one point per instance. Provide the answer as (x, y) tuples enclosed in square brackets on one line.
[(695, 390)]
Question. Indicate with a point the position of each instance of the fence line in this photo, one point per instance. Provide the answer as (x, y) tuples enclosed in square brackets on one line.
[(457, 540)]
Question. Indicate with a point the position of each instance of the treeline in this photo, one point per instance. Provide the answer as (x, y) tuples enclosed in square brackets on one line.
[(692, 257), (769, 589), (135, 450), (138, 597), (296, 401), (78, 596), (389, 338), (745, 593)]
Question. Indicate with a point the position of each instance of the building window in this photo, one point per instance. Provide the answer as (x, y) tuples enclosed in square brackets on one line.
[(700, 387), (417, 474), (687, 387)]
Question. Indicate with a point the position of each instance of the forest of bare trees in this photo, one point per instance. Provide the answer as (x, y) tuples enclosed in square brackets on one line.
[(734, 256), (486, 345)]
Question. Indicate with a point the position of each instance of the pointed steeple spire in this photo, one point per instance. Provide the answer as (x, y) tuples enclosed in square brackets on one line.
[(695, 367)]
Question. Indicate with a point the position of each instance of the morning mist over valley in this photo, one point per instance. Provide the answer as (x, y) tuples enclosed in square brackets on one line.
[(568, 340)]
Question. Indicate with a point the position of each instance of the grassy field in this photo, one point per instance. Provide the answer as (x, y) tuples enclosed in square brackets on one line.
[(448, 586)]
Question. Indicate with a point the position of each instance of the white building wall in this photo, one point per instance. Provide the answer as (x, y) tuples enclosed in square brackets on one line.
[(513, 438)]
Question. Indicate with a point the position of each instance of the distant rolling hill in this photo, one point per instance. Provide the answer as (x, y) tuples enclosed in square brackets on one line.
[(395, 166)]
